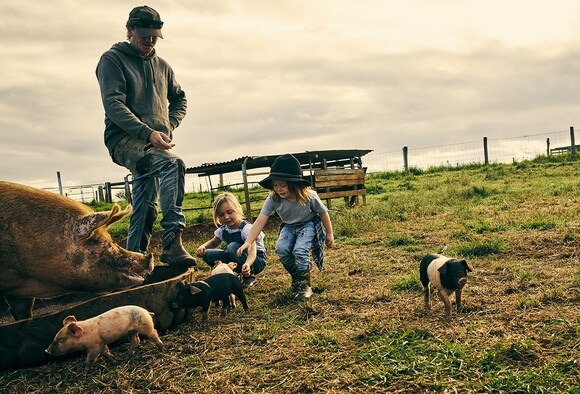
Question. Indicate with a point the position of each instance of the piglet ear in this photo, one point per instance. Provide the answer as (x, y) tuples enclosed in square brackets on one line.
[(194, 290), (443, 269), (75, 330), (68, 319), (464, 264)]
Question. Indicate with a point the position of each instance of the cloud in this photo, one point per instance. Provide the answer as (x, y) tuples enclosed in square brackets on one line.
[(267, 77)]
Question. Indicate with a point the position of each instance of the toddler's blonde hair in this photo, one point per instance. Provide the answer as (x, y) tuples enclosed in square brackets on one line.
[(229, 198)]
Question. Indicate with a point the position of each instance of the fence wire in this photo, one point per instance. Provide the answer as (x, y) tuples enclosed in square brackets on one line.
[(501, 150)]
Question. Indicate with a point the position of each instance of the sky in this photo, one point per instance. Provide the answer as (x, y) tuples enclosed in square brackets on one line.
[(269, 77)]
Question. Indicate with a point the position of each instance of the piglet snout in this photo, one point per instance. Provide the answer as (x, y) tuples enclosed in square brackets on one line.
[(462, 281)]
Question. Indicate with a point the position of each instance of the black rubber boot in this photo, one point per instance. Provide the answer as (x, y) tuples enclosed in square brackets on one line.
[(293, 271), (304, 289), (175, 254)]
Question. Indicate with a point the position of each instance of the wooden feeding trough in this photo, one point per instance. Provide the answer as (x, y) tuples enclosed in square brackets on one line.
[(22, 343)]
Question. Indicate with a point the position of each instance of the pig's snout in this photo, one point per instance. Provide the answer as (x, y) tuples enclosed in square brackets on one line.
[(52, 351), (462, 281)]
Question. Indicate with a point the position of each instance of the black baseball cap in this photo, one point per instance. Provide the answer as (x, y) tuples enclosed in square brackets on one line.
[(146, 21)]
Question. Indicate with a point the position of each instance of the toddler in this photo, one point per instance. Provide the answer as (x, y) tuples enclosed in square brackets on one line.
[(233, 229), (303, 215)]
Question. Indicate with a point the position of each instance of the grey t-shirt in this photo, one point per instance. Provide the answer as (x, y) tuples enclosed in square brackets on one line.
[(294, 212)]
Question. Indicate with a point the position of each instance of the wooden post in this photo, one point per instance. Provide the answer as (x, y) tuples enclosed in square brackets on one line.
[(246, 191), (101, 195), (547, 147), (406, 158), (485, 153), (108, 197), (325, 167), (221, 181), (572, 141), (59, 182), (128, 190)]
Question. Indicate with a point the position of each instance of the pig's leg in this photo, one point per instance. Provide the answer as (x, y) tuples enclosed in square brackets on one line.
[(242, 297), (107, 353), (225, 305), (153, 335), (92, 355), (205, 311), (233, 301), (458, 298), (135, 341), (445, 299), (20, 308), (188, 315), (426, 296)]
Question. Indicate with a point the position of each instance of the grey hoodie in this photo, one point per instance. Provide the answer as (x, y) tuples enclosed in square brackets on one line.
[(140, 94)]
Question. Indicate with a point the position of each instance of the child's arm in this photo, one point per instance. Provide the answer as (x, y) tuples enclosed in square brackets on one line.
[(252, 253), (212, 243), (325, 218), (258, 226)]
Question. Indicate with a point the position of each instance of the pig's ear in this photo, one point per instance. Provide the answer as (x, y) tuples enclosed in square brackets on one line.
[(84, 227), (118, 214), (194, 290), (68, 319), (443, 269), (75, 330), (464, 264)]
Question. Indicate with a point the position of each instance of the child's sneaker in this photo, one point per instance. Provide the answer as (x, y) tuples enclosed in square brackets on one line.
[(249, 281)]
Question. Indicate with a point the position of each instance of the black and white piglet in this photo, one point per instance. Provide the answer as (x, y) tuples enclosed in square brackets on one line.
[(203, 292), (447, 275)]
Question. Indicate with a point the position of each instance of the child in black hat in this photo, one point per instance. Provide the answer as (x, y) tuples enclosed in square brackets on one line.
[(303, 215)]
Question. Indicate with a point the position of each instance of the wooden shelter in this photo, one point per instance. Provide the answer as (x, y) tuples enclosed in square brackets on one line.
[(333, 173)]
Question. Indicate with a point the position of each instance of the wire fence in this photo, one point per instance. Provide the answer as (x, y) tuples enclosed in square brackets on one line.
[(501, 150)]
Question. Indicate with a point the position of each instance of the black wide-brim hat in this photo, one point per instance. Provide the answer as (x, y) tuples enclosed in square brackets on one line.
[(285, 168)]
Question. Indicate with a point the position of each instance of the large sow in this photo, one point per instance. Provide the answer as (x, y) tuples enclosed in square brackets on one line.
[(51, 245)]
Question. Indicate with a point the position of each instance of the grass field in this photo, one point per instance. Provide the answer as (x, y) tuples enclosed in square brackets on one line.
[(365, 329)]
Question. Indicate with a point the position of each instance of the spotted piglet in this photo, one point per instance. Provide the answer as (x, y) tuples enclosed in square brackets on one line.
[(93, 335), (447, 275)]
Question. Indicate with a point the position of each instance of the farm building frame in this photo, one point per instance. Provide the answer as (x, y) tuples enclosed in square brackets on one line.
[(332, 173)]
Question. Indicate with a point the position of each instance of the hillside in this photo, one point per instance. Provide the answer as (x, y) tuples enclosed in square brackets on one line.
[(365, 329)]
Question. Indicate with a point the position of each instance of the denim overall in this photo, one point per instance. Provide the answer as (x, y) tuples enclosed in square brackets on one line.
[(234, 241)]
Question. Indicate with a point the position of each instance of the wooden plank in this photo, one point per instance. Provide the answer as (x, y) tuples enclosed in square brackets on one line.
[(343, 193), (339, 181), (339, 171), (334, 183)]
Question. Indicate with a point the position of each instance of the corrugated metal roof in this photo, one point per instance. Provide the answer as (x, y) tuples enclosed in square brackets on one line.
[(313, 158)]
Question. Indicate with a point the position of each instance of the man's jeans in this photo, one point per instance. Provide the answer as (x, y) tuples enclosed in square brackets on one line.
[(230, 254), (160, 175), (294, 244)]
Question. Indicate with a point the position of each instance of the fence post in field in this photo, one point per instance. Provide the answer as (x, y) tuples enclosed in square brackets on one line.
[(246, 191), (547, 146), (59, 182), (108, 196), (406, 158), (485, 152), (572, 141), (128, 190), (101, 197)]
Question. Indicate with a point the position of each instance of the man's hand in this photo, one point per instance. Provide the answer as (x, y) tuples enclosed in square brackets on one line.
[(160, 140)]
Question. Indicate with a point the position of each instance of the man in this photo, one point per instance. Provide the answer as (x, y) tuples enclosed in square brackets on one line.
[(143, 106)]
